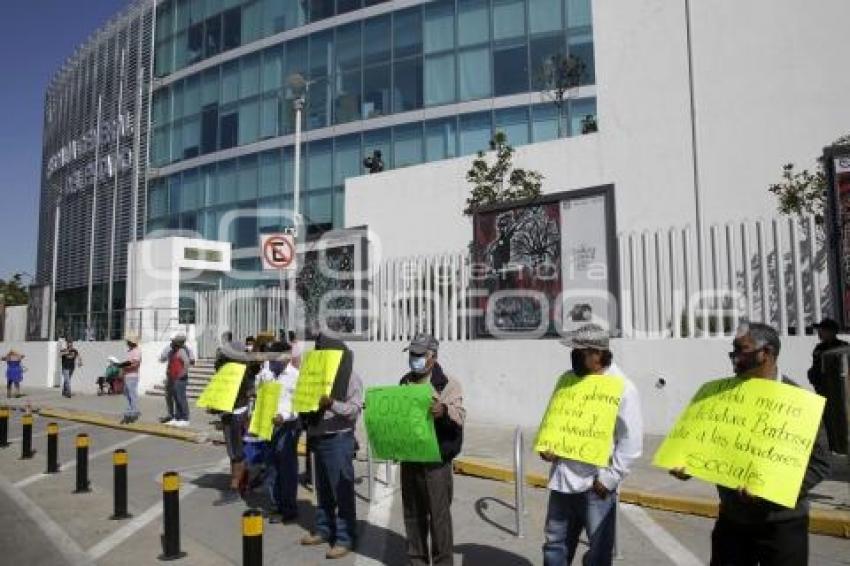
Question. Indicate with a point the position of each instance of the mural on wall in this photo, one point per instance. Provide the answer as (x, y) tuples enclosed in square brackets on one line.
[(557, 250), (840, 193)]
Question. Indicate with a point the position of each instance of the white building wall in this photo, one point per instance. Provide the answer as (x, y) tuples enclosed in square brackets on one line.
[(15, 327), (769, 89)]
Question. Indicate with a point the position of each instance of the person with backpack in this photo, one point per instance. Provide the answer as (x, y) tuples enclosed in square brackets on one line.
[(177, 358)]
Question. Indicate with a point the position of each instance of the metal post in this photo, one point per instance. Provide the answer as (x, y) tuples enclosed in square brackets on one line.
[(26, 442), (93, 213), (252, 538), (4, 427), (171, 517), (119, 132), (519, 482), (83, 483), (370, 484), (296, 184), (119, 465), (52, 448)]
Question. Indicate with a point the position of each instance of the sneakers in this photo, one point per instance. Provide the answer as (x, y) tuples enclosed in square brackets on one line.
[(181, 424), (165, 420), (337, 552), (313, 540)]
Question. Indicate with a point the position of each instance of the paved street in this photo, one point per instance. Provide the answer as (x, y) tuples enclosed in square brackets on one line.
[(42, 522)]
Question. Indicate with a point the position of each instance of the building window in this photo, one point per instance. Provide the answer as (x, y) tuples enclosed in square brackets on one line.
[(347, 104), (229, 128), (439, 79), (514, 123), (441, 139), (232, 24), (407, 82), (407, 144), (510, 68), (474, 73), (407, 33), (439, 26), (475, 132), (508, 19), (473, 26), (376, 91), (379, 34)]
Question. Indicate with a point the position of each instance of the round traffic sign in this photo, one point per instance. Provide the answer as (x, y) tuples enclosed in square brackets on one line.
[(279, 252)]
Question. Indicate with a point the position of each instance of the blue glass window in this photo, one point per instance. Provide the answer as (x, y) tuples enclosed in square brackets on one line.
[(439, 26), (545, 16), (295, 62), (347, 105), (321, 54), (227, 192), (544, 122), (347, 158), (321, 9), (320, 164), (407, 143), (581, 46), (319, 103), (210, 86), (348, 47), (379, 33), (212, 36), (578, 13), (376, 91), (510, 68), (407, 79), (230, 82), (378, 140), (514, 123), (473, 26), (545, 51), (439, 79), (274, 16), (441, 139), (248, 178), (232, 24), (474, 73), (581, 112), (475, 132), (249, 81), (407, 31), (249, 121), (252, 22), (343, 6), (272, 68), (270, 173), (508, 19)]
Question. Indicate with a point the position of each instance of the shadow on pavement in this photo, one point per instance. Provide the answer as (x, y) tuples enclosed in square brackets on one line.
[(483, 505), (477, 554)]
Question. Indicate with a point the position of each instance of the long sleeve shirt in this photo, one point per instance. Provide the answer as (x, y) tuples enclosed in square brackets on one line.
[(571, 476), (342, 415)]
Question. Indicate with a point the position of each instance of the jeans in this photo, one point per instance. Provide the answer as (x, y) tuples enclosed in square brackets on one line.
[(336, 515), (282, 469), (66, 381), (426, 499), (176, 402), (131, 392), (567, 515)]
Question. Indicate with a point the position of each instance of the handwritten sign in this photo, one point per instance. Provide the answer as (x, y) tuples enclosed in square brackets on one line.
[(316, 378), (579, 421), (753, 433), (220, 393), (399, 423), (265, 408)]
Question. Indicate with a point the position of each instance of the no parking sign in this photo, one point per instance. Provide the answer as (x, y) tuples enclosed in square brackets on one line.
[(277, 251)]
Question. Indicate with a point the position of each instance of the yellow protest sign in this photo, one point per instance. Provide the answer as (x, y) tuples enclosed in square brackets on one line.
[(315, 378), (579, 421), (753, 433), (220, 393), (265, 408)]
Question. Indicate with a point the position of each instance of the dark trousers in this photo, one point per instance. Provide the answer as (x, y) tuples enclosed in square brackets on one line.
[(783, 543), (176, 402), (336, 515), (426, 497), (282, 475)]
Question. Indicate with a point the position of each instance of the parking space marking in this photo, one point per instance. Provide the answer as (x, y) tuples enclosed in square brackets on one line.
[(108, 544), (659, 537), (64, 466), (66, 546), (380, 511)]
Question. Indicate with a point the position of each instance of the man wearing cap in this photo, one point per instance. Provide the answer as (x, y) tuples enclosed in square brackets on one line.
[(825, 375), (130, 371), (177, 358), (426, 489), (583, 496)]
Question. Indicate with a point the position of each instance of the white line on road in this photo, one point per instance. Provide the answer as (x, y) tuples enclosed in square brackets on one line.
[(66, 546), (40, 434), (105, 546), (663, 540), (71, 465), (380, 509)]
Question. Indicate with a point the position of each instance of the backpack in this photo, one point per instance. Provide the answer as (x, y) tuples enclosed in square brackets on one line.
[(176, 366)]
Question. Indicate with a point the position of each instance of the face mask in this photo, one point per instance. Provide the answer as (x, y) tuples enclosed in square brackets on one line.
[(417, 364), (277, 367), (577, 360), (745, 363)]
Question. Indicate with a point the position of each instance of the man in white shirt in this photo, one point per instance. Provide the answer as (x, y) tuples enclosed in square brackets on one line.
[(130, 371), (282, 475), (583, 496)]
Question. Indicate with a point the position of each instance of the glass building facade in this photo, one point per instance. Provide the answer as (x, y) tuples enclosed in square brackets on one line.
[(423, 83)]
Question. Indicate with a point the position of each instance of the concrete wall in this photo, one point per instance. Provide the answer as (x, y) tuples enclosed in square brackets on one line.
[(509, 382), (768, 87), (15, 327)]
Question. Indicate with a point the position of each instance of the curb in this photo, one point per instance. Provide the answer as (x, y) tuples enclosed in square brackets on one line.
[(821, 521), (142, 428)]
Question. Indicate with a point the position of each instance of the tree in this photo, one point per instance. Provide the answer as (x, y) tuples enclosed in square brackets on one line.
[(559, 77), (801, 193), (12, 292), (499, 182)]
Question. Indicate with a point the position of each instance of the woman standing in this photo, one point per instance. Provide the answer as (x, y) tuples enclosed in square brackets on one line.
[(14, 372)]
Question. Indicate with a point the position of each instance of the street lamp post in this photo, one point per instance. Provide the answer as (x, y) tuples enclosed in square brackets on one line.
[(51, 335), (300, 87)]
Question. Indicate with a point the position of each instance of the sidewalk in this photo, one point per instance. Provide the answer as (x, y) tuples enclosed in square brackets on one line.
[(488, 452)]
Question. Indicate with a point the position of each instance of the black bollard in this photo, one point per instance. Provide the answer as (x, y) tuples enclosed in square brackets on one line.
[(26, 442), (252, 538), (83, 484), (52, 448), (171, 517), (119, 465), (4, 427)]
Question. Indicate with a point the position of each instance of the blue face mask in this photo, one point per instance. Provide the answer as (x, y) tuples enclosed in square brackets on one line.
[(277, 367), (417, 364)]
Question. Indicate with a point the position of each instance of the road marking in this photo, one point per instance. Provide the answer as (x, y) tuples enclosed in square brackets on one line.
[(139, 522), (40, 434), (380, 509), (658, 536), (66, 546), (72, 464)]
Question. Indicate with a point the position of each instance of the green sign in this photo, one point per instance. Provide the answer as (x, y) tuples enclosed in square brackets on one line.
[(399, 423)]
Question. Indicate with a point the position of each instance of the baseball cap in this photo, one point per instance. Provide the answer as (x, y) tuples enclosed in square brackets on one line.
[(422, 343), (827, 324)]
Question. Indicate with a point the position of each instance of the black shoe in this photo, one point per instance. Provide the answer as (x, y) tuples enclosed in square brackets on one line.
[(228, 497), (164, 420)]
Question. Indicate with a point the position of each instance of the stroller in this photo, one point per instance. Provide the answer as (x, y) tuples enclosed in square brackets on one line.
[(111, 379)]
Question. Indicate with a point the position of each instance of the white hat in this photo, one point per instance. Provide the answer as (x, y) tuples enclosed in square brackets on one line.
[(113, 360)]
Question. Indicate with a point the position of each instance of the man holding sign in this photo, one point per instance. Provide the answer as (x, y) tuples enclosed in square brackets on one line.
[(751, 530), (583, 495), (426, 488)]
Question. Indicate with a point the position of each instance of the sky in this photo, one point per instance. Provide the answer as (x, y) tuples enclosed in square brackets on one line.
[(36, 36)]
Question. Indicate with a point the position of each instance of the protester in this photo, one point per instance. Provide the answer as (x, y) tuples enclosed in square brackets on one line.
[(583, 496), (750, 530), (826, 378), (233, 424), (178, 358), (282, 465), (14, 372), (130, 374), (331, 432), (110, 377), (427, 489), (70, 360), (297, 349)]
